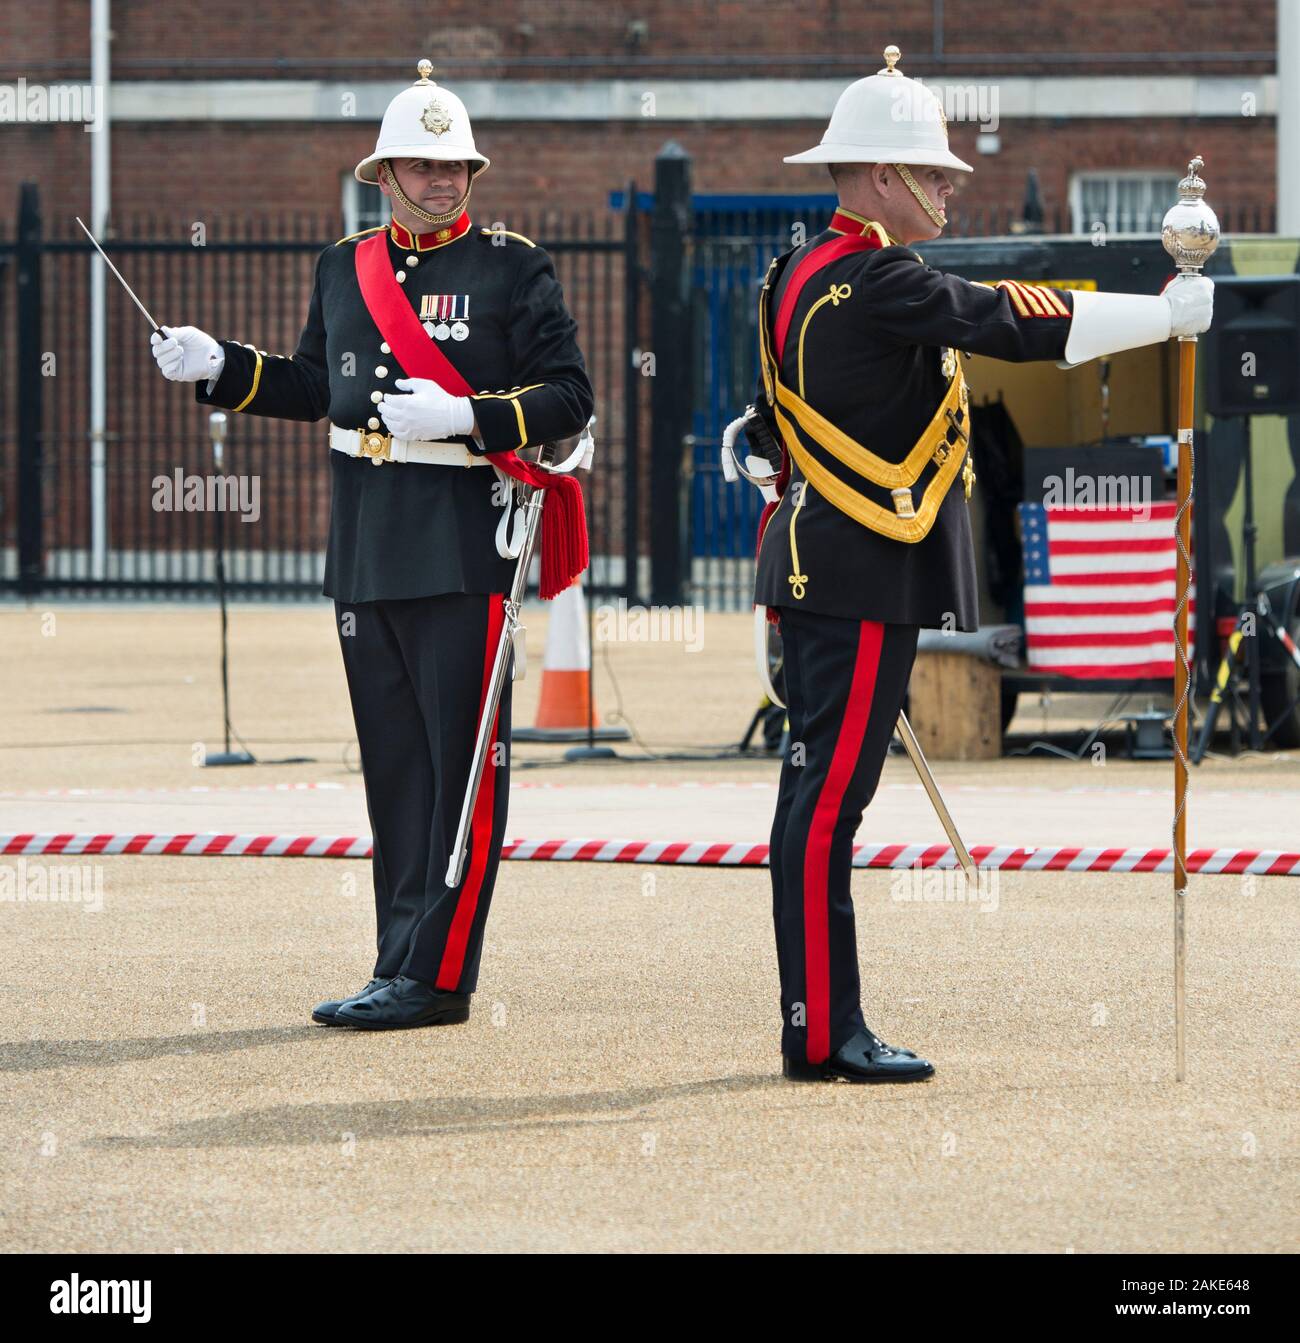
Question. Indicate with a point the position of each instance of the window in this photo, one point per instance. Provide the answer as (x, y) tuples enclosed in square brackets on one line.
[(1124, 202), (364, 206)]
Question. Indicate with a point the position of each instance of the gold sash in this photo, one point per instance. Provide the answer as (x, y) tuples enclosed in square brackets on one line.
[(795, 417)]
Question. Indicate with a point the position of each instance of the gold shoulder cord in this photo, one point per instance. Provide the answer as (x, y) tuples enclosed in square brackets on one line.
[(838, 292), (905, 523), (798, 579)]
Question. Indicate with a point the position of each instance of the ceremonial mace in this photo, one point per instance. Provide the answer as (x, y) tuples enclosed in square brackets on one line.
[(1190, 234)]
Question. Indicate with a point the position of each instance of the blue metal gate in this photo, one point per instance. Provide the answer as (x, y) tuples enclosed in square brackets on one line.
[(736, 238)]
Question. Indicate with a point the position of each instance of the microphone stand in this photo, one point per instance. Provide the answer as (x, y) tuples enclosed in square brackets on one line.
[(217, 429)]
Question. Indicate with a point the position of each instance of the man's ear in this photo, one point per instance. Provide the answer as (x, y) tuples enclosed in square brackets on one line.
[(881, 177)]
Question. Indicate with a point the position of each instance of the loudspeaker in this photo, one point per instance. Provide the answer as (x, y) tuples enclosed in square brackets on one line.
[(1253, 346)]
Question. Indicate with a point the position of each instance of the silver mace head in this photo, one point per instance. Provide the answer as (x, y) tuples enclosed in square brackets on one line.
[(1190, 232)]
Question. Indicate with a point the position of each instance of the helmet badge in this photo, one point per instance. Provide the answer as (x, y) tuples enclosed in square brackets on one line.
[(435, 119)]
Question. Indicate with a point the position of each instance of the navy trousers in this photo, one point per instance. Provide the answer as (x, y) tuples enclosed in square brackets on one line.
[(845, 682), (417, 673)]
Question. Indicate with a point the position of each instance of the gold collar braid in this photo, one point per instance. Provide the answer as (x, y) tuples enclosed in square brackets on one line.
[(438, 221)]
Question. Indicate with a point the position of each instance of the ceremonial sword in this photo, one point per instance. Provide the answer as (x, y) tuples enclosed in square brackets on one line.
[(732, 470), (511, 636)]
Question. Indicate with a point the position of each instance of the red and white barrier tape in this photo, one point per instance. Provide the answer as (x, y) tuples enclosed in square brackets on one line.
[(192, 788), (1043, 858)]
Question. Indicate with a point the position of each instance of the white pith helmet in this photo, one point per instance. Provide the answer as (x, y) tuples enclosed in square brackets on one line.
[(886, 118), (424, 121)]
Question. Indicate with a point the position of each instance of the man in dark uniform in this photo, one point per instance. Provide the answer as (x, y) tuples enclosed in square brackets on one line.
[(420, 548), (870, 540)]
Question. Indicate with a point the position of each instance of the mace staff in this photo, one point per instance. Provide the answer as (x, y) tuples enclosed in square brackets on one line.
[(1190, 234)]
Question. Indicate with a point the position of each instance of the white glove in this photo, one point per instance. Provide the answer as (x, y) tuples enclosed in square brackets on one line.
[(426, 411), (1106, 323), (1191, 304), (188, 354)]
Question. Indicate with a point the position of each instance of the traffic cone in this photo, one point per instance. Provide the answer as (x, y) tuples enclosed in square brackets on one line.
[(566, 710), (566, 669)]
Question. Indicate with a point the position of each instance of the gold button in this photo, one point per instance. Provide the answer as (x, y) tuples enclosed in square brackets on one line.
[(412, 260), (401, 275), (385, 348), (372, 423), (376, 397), (381, 371)]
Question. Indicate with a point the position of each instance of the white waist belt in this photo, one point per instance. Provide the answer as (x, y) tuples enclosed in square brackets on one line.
[(380, 448)]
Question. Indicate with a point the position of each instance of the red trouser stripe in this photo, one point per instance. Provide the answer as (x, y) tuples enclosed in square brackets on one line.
[(816, 863), (480, 843)]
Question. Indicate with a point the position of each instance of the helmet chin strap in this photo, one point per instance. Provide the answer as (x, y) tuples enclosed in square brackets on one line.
[(911, 184), (438, 221)]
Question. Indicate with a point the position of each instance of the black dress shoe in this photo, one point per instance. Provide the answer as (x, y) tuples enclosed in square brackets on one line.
[(403, 1003), (327, 1013), (864, 1058)]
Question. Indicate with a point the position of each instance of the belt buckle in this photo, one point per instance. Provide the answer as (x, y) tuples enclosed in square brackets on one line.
[(377, 447)]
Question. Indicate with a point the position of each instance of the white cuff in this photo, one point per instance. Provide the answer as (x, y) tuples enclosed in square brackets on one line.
[(462, 415), (1107, 323), (216, 363)]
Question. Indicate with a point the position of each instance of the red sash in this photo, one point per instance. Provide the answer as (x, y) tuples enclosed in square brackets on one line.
[(388, 304), (564, 520)]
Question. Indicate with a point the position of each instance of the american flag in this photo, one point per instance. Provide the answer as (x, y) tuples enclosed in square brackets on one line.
[(1099, 591)]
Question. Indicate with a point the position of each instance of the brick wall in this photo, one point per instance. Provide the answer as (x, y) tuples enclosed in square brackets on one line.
[(214, 170), (288, 175), (512, 37)]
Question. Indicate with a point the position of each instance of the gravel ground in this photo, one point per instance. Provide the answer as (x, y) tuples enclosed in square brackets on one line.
[(617, 1086)]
